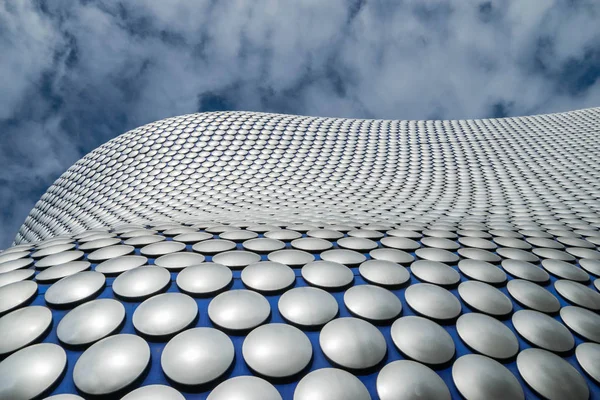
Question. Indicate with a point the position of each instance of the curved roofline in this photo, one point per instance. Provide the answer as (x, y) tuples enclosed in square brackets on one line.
[(526, 116)]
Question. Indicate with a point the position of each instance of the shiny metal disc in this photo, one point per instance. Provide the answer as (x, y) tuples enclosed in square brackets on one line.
[(434, 272), (31, 371), (327, 234), (204, 279), (517, 254), (268, 276), (236, 236), (372, 303), (406, 233), (57, 272), (178, 261), (408, 380), (487, 336), (400, 243), (357, 243), (532, 295), (485, 298), (141, 282), (90, 322), (479, 255), (22, 327), (588, 356), (349, 258), (239, 310), (107, 253), (368, 232), (193, 237), (543, 331), (178, 230), (565, 270), (277, 350), (7, 256), (422, 340), (584, 322), (551, 376), (111, 364), (197, 356), (545, 242), (293, 258), (75, 288), (244, 388), (165, 314), (384, 273), (331, 384), (283, 234), (162, 248), (15, 264), (15, 276), (327, 274), (16, 295), (591, 266), (141, 241), (525, 270), (263, 245), (432, 301), (553, 254), (584, 253), (440, 243), (352, 343), (60, 258), (20, 250), (578, 294), (441, 232), (213, 246), (312, 245), (439, 255), (477, 242), (307, 306), (120, 264), (482, 271), (480, 377), (236, 259)]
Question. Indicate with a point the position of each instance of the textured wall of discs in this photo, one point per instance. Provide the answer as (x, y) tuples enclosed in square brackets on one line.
[(271, 256), (226, 167)]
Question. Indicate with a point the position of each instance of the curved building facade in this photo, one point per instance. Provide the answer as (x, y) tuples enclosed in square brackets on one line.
[(241, 255)]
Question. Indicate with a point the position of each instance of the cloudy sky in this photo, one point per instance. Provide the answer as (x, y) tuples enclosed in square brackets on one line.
[(74, 74)]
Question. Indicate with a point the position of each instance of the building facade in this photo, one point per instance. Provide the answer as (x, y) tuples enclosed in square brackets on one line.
[(241, 255)]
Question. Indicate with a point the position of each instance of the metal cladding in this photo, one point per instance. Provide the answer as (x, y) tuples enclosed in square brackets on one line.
[(265, 256)]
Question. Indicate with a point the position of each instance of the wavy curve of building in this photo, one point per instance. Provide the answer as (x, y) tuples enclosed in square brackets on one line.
[(232, 166), (270, 256)]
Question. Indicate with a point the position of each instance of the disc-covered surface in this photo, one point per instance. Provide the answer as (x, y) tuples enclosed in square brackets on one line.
[(485, 231)]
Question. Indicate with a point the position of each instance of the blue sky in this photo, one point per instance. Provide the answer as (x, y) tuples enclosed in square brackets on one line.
[(75, 74)]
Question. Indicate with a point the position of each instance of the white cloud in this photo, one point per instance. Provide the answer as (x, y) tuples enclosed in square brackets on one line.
[(76, 74), (26, 50)]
